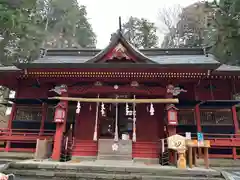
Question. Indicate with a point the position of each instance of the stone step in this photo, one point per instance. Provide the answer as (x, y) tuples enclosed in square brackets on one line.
[(114, 157), (113, 162), (124, 148), (38, 174), (110, 168)]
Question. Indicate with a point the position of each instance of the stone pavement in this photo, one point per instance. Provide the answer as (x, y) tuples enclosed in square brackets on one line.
[(47, 169), (231, 175), (9, 156), (222, 163), (107, 169), (106, 163)]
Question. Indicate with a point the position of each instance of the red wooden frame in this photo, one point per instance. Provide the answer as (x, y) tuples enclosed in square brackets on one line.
[(155, 91)]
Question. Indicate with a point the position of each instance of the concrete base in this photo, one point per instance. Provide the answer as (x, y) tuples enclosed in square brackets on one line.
[(147, 160), (106, 170), (84, 158), (15, 156)]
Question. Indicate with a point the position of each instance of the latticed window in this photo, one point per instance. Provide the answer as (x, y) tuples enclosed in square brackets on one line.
[(27, 113), (50, 113), (217, 116), (186, 117)]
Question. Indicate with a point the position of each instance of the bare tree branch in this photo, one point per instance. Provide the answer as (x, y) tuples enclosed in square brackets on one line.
[(169, 17)]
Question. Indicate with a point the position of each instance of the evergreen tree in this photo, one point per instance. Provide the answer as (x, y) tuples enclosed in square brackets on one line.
[(68, 25), (224, 34), (20, 31)]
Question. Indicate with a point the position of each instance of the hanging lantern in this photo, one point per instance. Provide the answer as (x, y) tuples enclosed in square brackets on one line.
[(103, 109), (172, 114), (151, 110), (127, 109), (78, 108), (90, 107), (60, 113)]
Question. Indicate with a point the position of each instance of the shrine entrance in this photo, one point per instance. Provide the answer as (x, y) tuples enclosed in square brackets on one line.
[(116, 113), (115, 130)]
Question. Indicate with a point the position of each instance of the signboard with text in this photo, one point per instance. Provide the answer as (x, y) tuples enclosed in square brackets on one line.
[(200, 139)]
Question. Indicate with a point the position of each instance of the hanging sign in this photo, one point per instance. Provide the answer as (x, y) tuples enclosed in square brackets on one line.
[(188, 135), (176, 142), (172, 117)]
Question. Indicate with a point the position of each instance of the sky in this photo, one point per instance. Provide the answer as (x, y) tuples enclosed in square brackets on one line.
[(103, 14)]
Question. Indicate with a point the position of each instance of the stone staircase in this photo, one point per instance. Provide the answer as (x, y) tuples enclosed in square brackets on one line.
[(99, 171), (123, 150)]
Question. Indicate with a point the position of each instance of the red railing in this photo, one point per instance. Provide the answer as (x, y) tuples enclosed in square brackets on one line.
[(23, 136), (222, 141)]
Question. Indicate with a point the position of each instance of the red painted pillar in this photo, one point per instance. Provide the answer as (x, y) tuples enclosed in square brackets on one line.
[(198, 118), (58, 137), (236, 128), (44, 116), (235, 119), (170, 128)]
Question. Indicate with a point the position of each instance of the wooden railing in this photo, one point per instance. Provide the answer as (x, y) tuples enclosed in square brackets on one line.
[(36, 132), (22, 136), (222, 141)]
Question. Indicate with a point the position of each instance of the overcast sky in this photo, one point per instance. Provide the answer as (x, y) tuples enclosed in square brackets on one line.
[(103, 14)]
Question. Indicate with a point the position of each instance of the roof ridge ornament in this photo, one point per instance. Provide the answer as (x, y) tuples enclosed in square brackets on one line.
[(120, 23), (43, 52)]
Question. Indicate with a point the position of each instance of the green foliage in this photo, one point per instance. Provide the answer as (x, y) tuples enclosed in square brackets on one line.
[(212, 24), (27, 25), (68, 25), (224, 33), (140, 32), (21, 31)]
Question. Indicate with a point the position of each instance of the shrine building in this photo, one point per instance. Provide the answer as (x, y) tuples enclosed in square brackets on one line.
[(119, 102)]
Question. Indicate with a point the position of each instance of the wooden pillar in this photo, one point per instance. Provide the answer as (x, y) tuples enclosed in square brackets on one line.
[(236, 128), (198, 118), (206, 157), (235, 119), (190, 157), (12, 117), (44, 116), (60, 129), (171, 128)]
